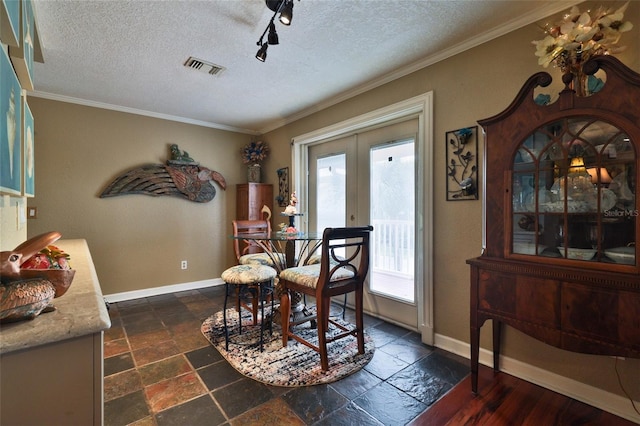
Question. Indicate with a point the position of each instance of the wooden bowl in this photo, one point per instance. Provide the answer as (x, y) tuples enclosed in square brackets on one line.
[(60, 278)]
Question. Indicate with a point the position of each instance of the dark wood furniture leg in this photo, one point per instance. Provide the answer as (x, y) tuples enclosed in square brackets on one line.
[(497, 335)]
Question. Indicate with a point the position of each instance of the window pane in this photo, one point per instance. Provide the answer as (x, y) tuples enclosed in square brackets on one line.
[(332, 188)]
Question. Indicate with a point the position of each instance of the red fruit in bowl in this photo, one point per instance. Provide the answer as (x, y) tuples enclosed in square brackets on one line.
[(37, 261)]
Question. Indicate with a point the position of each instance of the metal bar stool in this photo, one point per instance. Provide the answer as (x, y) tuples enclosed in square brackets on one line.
[(257, 278)]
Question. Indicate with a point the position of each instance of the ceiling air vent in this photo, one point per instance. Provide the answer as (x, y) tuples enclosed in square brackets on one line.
[(203, 66)]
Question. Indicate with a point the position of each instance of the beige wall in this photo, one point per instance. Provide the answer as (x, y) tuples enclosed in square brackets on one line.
[(468, 87), (138, 241)]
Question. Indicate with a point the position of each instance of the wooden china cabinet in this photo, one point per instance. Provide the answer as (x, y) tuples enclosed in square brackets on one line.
[(561, 218)]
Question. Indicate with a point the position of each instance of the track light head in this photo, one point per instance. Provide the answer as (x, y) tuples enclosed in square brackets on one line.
[(286, 15), (273, 35), (262, 52)]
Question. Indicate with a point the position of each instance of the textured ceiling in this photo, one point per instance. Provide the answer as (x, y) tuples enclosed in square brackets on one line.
[(129, 55)]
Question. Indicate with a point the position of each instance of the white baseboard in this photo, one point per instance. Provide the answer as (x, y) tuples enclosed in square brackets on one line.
[(606, 401), (156, 291)]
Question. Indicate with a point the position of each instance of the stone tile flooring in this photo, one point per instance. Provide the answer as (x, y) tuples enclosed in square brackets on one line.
[(160, 370)]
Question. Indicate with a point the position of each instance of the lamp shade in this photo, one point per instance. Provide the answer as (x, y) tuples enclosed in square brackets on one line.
[(577, 165), (604, 175), (273, 35)]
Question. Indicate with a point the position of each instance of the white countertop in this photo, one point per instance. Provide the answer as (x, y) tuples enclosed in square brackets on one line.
[(79, 312)]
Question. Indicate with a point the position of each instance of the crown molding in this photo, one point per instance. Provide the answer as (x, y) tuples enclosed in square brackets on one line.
[(72, 100)]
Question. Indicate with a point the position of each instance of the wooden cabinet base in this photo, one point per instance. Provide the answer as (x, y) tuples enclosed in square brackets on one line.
[(54, 384)]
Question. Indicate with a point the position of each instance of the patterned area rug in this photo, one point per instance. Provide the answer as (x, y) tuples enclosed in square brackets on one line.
[(295, 365)]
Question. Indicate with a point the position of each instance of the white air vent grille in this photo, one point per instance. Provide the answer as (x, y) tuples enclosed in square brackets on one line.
[(203, 66)]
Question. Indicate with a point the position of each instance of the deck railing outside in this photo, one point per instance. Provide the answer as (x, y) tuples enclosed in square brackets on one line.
[(392, 246)]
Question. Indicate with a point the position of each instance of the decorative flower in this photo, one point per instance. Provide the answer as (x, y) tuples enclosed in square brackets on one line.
[(255, 152), (579, 36), (50, 257)]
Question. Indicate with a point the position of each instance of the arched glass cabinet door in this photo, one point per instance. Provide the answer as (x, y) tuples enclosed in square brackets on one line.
[(574, 193)]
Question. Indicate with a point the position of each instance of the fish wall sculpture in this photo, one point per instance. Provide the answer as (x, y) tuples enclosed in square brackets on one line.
[(180, 177)]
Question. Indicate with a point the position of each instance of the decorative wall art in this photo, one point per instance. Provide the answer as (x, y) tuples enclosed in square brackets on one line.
[(283, 187), (462, 164), (180, 177), (28, 153), (22, 56), (10, 22), (11, 129)]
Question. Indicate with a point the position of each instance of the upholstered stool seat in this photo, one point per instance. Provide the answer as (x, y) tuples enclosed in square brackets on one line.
[(308, 276), (256, 279)]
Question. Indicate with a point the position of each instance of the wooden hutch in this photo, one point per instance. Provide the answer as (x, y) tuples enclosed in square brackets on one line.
[(250, 197), (561, 218)]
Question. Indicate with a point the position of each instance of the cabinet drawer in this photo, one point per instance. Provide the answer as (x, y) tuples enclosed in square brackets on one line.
[(521, 297), (601, 314)]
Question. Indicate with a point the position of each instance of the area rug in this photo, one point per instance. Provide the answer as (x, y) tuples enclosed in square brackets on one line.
[(295, 365)]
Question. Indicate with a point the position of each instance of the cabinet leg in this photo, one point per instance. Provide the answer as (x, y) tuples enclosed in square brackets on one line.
[(497, 335), (475, 352)]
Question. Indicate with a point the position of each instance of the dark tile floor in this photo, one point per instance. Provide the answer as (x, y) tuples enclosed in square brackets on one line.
[(160, 370)]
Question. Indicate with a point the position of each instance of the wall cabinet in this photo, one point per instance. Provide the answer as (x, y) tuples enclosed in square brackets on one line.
[(250, 197), (561, 218)]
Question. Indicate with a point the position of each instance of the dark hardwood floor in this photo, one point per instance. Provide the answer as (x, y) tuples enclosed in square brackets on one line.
[(506, 400)]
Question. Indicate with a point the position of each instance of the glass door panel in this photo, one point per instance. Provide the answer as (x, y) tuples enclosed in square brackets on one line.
[(392, 207)]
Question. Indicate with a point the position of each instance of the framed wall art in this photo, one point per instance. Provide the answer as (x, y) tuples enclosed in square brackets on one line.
[(10, 22), (22, 56), (462, 164), (11, 129), (283, 187), (28, 153)]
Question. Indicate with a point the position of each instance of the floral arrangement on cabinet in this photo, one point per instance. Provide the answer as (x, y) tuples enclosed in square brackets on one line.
[(253, 154), (580, 36)]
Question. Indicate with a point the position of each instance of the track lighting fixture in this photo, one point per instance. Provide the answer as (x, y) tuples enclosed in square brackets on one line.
[(285, 9), (262, 52)]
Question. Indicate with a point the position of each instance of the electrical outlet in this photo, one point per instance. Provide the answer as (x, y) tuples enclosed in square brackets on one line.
[(183, 264)]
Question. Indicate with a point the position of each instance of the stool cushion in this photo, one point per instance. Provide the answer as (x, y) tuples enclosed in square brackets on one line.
[(308, 275), (248, 274), (261, 259)]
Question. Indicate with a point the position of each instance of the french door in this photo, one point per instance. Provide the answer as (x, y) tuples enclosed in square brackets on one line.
[(369, 178)]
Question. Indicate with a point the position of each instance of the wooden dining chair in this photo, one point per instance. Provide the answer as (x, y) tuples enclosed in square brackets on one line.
[(343, 267), (248, 252)]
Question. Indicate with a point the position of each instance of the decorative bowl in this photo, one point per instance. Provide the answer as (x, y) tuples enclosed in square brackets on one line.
[(578, 253), (626, 255), (527, 248), (60, 278)]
